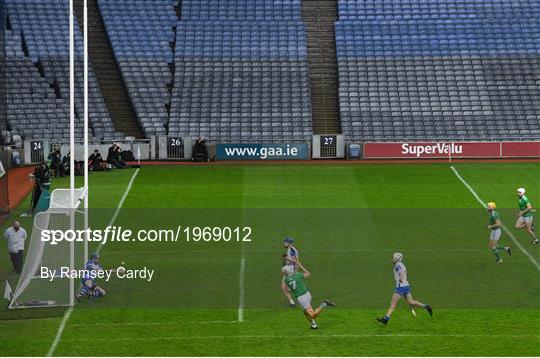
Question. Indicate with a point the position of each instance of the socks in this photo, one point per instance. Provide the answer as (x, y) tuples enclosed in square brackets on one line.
[(497, 251), (387, 317), (291, 302), (323, 305)]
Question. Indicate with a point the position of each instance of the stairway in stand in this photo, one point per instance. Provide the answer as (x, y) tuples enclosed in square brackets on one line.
[(107, 72), (319, 18)]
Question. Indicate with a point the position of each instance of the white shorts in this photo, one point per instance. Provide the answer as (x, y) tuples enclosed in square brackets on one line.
[(495, 235), (525, 219), (304, 301)]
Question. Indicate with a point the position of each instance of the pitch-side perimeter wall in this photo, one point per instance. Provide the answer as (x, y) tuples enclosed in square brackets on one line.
[(450, 150), (265, 151)]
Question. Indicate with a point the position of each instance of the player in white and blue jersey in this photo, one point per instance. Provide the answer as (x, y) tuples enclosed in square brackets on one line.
[(403, 289), (290, 258), (89, 287)]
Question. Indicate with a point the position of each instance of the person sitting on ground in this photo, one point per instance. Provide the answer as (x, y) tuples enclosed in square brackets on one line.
[(200, 151), (114, 157), (95, 162), (120, 156), (110, 152), (79, 165)]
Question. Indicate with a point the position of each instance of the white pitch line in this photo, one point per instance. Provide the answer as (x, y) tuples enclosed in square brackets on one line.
[(60, 331), (241, 287), (316, 336), (120, 204), (242, 271), (477, 197), (62, 326)]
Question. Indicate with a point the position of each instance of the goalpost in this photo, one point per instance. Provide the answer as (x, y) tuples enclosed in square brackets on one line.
[(33, 289)]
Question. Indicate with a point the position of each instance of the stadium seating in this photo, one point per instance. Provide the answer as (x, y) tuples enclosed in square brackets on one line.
[(437, 9), (241, 10), (38, 55), (439, 69), (141, 33), (32, 106), (237, 70), (241, 72)]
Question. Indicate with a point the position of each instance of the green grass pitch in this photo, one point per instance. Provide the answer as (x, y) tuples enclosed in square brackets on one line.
[(347, 220)]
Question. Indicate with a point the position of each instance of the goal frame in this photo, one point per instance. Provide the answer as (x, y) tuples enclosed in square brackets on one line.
[(74, 202)]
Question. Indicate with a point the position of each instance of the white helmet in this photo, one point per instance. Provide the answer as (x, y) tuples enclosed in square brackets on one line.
[(521, 191), (287, 270), (398, 256)]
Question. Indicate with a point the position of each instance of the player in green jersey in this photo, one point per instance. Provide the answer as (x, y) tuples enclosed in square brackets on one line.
[(495, 232), (295, 281), (525, 215)]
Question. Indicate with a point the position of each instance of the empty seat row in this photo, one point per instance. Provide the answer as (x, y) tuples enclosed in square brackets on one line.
[(245, 10), (466, 9)]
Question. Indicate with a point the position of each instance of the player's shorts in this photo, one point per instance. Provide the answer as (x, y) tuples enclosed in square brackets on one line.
[(525, 219), (403, 291), (304, 301), (495, 235)]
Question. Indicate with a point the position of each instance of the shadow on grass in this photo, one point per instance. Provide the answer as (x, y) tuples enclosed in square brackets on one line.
[(30, 313)]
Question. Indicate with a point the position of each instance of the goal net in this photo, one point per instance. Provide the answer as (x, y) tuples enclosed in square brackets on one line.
[(42, 282)]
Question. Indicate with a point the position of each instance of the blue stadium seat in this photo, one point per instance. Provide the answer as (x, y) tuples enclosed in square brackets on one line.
[(416, 69)]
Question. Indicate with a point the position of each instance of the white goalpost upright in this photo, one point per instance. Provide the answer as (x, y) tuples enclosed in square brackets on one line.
[(71, 144), (32, 289), (86, 186), (72, 130)]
